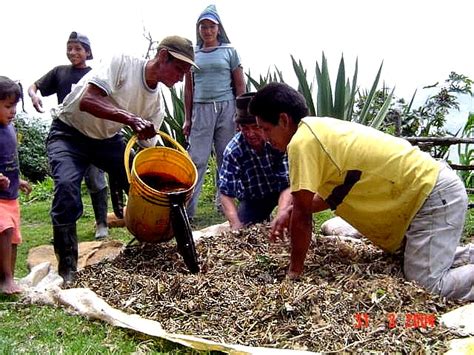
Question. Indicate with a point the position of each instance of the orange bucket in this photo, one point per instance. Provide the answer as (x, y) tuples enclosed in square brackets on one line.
[(156, 172)]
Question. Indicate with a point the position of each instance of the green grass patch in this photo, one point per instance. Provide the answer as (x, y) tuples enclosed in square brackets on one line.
[(47, 330)]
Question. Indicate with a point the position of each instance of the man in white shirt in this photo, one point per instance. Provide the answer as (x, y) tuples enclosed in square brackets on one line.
[(86, 130)]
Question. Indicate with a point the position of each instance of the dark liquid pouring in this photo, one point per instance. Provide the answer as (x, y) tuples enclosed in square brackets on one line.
[(163, 182)]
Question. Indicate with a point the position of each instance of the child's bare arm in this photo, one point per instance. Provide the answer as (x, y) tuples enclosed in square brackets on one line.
[(25, 186)]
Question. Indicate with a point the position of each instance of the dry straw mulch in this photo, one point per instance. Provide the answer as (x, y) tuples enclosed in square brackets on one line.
[(352, 296)]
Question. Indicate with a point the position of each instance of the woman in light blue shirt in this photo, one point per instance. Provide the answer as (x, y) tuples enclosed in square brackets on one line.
[(210, 93)]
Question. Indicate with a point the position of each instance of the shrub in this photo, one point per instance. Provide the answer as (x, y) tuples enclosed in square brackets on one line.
[(32, 133)]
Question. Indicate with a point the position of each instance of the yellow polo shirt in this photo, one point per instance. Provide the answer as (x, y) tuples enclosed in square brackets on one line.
[(375, 181)]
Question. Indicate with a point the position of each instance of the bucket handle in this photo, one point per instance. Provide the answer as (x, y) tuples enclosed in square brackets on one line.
[(133, 140)]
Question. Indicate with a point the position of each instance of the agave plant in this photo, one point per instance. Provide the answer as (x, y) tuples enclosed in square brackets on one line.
[(341, 104)]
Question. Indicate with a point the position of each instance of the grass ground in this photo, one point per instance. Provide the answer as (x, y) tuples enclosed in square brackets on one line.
[(33, 329)]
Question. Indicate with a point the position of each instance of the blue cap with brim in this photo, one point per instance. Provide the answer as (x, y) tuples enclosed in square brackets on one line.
[(210, 17)]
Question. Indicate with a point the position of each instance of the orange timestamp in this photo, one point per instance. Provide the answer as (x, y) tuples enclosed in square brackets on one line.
[(407, 320)]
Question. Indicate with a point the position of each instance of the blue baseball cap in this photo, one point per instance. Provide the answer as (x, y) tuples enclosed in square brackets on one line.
[(210, 17)]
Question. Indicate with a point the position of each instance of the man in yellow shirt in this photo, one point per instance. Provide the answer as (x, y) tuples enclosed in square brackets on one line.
[(390, 191)]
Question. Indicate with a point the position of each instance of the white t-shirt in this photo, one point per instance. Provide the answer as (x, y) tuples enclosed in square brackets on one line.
[(123, 79)]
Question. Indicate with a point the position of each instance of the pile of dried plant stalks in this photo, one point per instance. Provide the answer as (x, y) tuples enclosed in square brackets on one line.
[(241, 295)]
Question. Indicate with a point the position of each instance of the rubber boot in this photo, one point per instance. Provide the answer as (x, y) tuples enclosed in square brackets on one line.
[(99, 204), (66, 250)]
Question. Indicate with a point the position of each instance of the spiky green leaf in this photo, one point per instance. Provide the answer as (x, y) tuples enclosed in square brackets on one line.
[(364, 115), (380, 117), (303, 85), (340, 92)]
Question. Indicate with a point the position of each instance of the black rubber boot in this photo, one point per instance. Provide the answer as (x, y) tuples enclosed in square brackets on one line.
[(66, 250), (99, 204)]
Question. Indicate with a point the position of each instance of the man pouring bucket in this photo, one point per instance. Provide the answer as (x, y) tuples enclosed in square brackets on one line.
[(86, 130)]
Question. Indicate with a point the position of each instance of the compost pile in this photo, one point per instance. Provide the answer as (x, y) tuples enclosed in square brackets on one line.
[(352, 296)]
